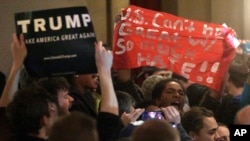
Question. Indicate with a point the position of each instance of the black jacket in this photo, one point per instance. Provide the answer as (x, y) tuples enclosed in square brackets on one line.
[(83, 102)]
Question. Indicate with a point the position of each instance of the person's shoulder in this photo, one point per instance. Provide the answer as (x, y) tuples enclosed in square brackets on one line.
[(230, 101), (227, 97)]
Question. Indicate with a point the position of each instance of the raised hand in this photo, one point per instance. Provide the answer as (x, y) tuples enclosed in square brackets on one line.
[(104, 61), (104, 58), (18, 50), (171, 114), (127, 118)]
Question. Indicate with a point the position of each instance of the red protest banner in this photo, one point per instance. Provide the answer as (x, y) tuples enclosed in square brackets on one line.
[(194, 49)]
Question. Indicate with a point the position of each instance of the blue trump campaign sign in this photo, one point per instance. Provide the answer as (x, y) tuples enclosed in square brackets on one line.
[(59, 41)]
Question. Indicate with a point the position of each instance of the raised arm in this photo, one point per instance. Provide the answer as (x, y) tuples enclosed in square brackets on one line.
[(19, 52), (104, 61)]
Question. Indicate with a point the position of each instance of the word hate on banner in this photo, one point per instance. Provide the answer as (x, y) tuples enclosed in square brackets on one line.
[(190, 48)]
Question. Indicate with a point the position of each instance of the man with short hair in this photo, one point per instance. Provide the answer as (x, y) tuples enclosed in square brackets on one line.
[(31, 114), (222, 133), (58, 88), (200, 124), (74, 127), (155, 130), (230, 103)]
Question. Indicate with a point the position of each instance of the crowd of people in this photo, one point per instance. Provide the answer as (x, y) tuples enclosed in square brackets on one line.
[(111, 106)]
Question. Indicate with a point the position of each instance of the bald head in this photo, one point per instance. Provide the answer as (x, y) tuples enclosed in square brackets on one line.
[(243, 116), (156, 130)]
